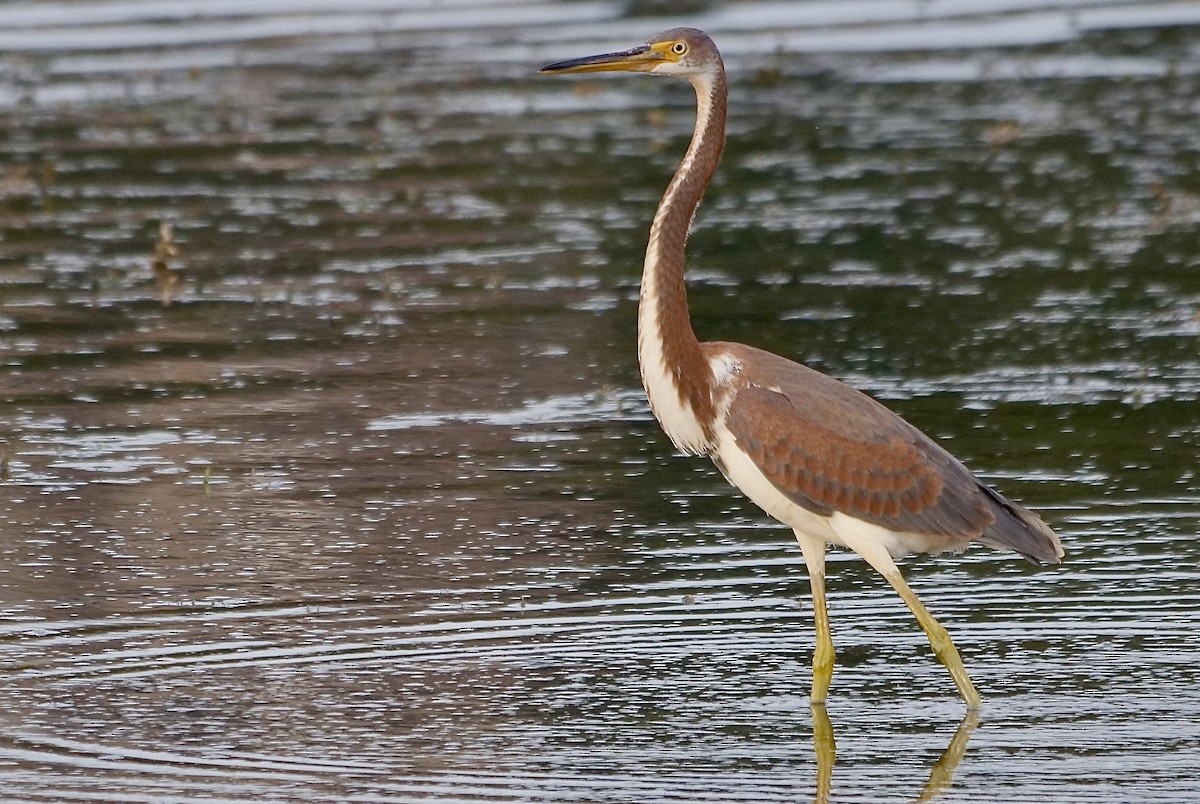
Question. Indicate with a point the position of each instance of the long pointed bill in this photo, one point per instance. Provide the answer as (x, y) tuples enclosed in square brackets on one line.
[(642, 58)]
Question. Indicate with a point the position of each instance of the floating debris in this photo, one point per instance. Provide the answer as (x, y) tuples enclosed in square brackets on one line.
[(1000, 134), (165, 277)]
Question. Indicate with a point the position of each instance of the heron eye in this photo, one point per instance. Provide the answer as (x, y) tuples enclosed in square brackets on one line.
[(679, 48)]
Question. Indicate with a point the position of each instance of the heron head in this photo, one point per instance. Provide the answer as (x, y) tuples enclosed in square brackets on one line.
[(679, 51)]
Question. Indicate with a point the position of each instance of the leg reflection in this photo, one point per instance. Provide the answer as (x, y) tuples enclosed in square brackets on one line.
[(942, 774), (826, 751), (940, 778)]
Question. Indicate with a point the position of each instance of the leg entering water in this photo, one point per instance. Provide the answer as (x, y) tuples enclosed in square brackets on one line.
[(939, 640), (822, 665), (878, 557)]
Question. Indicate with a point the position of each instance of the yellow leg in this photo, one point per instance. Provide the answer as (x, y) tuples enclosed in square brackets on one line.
[(814, 558), (878, 557), (939, 640)]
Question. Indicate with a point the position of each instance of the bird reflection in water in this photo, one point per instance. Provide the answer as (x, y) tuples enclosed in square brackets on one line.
[(940, 777)]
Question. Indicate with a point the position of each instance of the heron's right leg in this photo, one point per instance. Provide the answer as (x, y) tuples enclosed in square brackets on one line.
[(813, 548), (872, 548)]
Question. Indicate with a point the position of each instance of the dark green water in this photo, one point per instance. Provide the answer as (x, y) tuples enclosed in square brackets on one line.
[(356, 497)]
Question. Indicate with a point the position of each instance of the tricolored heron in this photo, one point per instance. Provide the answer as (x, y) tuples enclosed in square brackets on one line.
[(821, 457)]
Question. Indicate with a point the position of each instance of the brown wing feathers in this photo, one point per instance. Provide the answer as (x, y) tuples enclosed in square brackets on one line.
[(885, 480), (831, 448)]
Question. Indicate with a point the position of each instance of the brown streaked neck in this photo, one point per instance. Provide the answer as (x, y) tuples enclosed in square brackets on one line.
[(664, 327)]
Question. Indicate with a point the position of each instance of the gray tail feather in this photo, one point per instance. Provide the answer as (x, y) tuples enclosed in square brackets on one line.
[(1019, 529)]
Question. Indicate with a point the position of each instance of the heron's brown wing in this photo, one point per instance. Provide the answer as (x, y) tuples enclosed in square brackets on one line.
[(830, 448)]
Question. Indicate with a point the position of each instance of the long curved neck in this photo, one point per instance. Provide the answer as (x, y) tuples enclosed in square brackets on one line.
[(675, 373)]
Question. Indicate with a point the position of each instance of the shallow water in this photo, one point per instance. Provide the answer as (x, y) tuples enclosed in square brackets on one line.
[(355, 497)]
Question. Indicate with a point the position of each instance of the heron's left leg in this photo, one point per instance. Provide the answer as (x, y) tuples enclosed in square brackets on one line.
[(878, 557), (813, 548)]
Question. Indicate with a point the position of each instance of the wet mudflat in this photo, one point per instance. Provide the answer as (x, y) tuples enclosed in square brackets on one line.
[(341, 486)]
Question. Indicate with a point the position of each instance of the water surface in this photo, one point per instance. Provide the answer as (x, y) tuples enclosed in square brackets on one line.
[(342, 487)]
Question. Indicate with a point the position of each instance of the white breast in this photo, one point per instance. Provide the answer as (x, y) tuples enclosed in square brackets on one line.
[(741, 471), (676, 416)]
